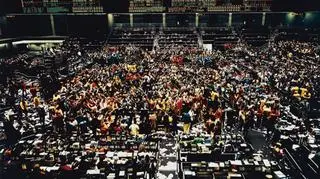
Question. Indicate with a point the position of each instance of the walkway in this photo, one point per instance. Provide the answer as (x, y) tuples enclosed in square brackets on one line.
[(168, 158)]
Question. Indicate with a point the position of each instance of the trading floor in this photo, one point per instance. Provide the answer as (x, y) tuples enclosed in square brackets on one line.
[(162, 103)]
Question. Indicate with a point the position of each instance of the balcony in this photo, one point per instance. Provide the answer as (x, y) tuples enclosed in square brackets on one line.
[(61, 7)]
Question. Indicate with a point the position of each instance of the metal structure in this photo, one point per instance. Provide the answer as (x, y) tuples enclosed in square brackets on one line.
[(146, 6), (61, 6)]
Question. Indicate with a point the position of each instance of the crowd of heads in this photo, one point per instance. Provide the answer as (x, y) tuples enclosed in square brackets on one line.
[(132, 90), (120, 90)]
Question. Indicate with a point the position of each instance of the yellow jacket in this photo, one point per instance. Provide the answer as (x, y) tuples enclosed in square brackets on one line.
[(305, 93), (24, 105), (36, 101), (214, 95), (56, 97), (132, 68)]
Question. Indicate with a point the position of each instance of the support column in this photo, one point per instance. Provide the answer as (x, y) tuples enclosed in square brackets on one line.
[(230, 19), (164, 23), (53, 29), (197, 20), (131, 20), (263, 19), (110, 20)]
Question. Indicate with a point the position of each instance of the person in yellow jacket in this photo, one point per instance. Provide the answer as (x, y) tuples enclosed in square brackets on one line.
[(36, 101), (56, 97), (117, 80), (57, 119), (242, 118), (214, 95), (167, 105), (295, 92), (187, 119), (132, 68), (267, 107), (305, 94), (24, 107)]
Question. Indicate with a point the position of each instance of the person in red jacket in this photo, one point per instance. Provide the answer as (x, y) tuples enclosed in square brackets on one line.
[(23, 88), (272, 119), (33, 90)]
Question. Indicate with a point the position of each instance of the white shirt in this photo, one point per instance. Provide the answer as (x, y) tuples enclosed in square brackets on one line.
[(191, 113)]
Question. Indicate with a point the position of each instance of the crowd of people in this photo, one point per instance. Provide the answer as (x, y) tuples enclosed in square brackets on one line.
[(166, 86), (133, 91)]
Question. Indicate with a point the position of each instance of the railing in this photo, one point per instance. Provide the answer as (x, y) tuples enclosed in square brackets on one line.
[(60, 4), (54, 7)]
